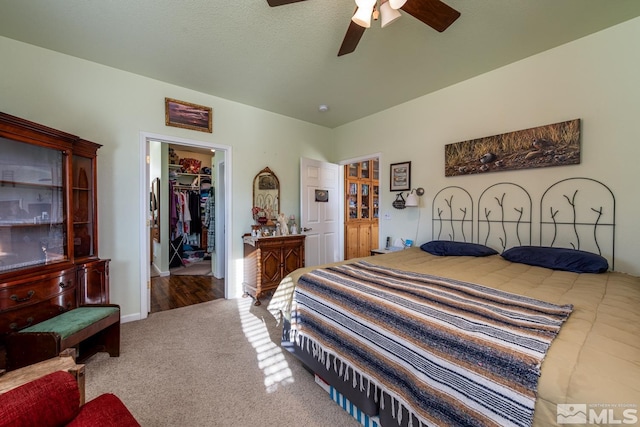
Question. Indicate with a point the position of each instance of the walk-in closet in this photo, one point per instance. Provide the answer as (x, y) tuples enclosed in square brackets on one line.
[(183, 218)]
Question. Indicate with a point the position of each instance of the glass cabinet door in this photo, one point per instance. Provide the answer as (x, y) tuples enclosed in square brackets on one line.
[(376, 209), (364, 170), (83, 203), (352, 170), (364, 201), (32, 201), (352, 201), (362, 190)]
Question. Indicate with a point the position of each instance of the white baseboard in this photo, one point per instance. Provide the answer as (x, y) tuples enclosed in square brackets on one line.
[(130, 318)]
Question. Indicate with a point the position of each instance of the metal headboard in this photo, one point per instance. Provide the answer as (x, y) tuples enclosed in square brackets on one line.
[(576, 213), (504, 216), (452, 215), (579, 213)]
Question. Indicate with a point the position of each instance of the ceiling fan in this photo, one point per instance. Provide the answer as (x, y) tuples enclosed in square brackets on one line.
[(434, 13)]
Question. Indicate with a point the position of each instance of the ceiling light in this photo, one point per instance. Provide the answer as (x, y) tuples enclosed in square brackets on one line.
[(389, 14), (362, 16), (387, 9), (323, 108), (396, 4), (366, 3)]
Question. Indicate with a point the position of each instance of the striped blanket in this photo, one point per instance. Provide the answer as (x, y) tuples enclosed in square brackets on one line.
[(449, 352)]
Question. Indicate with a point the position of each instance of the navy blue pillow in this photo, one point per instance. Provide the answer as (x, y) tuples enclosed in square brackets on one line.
[(557, 259), (449, 248)]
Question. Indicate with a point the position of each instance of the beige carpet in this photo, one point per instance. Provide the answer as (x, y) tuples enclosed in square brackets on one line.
[(217, 363)]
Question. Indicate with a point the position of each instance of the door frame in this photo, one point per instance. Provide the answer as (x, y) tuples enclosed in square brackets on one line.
[(145, 267)]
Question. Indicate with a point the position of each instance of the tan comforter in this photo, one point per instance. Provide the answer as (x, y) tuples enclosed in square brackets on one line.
[(595, 359)]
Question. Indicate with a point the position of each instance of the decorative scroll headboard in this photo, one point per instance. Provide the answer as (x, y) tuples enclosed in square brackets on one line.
[(576, 213)]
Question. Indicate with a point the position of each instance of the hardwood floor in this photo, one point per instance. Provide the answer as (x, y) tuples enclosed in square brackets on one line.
[(173, 291)]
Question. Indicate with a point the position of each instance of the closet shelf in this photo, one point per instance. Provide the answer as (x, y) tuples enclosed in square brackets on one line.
[(186, 187)]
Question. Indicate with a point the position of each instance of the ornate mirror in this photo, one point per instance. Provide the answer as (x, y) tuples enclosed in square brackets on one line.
[(266, 193)]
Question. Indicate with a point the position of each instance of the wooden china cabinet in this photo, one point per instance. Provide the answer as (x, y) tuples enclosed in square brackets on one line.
[(361, 208), (48, 225)]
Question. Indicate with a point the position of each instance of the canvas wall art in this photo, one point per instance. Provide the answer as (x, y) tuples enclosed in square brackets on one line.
[(556, 144)]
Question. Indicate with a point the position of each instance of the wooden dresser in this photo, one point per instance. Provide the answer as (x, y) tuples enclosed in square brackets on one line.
[(49, 260), (267, 260), (36, 297)]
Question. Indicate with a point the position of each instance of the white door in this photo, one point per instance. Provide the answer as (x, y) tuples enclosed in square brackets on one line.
[(218, 260), (320, 220)]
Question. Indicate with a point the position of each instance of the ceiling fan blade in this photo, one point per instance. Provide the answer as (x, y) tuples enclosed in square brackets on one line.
[(434, 13), (351, 39), (274, 3)]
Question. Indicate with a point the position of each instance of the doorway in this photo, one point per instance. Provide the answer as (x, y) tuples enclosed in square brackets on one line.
[(192, 179), (362, 205), (192, 200), (183, 289)]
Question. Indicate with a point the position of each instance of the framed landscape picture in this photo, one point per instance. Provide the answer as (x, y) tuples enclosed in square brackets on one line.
[(187, 115)]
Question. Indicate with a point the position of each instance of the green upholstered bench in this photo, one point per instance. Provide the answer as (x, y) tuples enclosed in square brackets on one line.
[(89, 329)]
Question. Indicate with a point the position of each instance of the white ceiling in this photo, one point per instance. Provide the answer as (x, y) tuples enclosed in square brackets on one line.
[(284, 59)]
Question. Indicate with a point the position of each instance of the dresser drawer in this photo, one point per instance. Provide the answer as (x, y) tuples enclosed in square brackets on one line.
[(15, 320), (34, 290)]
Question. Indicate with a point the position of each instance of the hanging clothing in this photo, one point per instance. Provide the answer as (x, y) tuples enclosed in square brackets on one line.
[(195, 209), (210, 220), (186, 213), (173, 207)]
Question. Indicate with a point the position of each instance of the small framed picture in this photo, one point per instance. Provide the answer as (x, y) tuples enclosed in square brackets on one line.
[(400, 176), (322, 195), (187, 115)]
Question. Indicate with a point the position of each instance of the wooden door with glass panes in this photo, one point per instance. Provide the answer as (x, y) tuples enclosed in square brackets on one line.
[(48, 225), (361, 208), (93, 273), (84, 203)]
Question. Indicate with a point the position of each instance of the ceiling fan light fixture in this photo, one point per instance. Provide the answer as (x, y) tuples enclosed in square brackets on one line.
[(362, 16), (367, 4), (397, 4), (388, 14)]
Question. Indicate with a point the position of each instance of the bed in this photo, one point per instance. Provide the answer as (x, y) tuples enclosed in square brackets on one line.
[(573, 355)]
